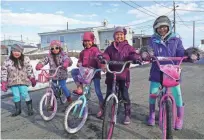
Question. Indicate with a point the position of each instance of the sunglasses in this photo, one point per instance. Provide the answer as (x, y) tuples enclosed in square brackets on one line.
[(56, 48)]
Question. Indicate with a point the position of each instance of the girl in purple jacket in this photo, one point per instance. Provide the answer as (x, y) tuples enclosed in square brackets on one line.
[(165, 43), (120, 50)]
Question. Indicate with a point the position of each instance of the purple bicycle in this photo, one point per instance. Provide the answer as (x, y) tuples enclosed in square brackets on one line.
[(166, 103), (111, 105)]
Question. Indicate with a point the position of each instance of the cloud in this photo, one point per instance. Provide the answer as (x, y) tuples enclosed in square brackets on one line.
[(95, 4), (22, 8), (114, 5), (86, 16), (43, 19), (59, 12), (28, 10), (112, 10)]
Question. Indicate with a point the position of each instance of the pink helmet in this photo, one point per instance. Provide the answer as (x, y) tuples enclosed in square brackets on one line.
[(88, 36), (55, 42)]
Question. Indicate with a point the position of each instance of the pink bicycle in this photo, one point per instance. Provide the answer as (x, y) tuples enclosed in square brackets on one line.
[(48, 102), (166, 103)]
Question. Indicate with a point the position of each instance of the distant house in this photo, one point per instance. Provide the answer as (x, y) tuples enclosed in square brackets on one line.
[(201, 46), (28, 47), (4, 50), (72, 38), (140, 40)]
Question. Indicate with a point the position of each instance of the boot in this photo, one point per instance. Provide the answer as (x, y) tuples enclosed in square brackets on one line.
[(30, 107), (151, 119), (69, 101), (79, 90), (179, 119), (127, 114), (18, 109), (100, 113)]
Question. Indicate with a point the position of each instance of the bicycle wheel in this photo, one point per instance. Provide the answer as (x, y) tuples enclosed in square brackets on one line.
[(167, 120), (46, 111), (109, 119), (73, 122)]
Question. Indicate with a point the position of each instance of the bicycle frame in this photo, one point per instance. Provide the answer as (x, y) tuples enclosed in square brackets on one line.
[(86, 90), (113, 94), (49, 89)]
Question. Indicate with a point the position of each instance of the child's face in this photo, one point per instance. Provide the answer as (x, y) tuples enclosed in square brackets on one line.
[(88, 43), (55, 49), (16, 54), (163, 30), (119, 37)]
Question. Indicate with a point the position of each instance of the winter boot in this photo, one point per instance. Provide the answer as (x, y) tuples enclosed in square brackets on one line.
[(18, 109), (127, 114), (179, 119), (30, 107), (151, 119)]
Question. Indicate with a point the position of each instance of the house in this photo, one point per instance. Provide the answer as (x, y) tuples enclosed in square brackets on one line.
[(27, 46), (4, 50), (201, 46), (140, 40), (72, 38)]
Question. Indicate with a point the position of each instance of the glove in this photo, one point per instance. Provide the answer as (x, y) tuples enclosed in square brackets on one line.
[(66, 64), (33, 82), (4, 86), (137, 62), (101, 59), (39, 66), (193, 54), (146, 53)]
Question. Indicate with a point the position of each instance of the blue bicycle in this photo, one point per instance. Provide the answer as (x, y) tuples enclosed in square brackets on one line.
[(76, 113)]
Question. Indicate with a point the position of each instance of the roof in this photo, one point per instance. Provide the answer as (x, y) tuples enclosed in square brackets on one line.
[(12, 40), (71, 30)]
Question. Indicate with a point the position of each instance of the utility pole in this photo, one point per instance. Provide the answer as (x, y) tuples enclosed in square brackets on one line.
[(21, 38), (193, 33), (67, 25)]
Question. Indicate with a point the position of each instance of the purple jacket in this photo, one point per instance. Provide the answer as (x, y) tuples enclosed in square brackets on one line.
[(120, 52), (88, 58), (171, 48)]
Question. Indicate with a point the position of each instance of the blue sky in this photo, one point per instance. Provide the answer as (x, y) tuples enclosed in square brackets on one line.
[(29, 18)]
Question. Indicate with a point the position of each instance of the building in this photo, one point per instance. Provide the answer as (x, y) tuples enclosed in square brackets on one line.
[(201, 46), (28, 47), (72, 38), (140, 40)]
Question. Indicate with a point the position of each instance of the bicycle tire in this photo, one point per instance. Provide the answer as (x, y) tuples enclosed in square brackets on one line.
[(41, 108), (107, 133), (167, 120), (67, 112)]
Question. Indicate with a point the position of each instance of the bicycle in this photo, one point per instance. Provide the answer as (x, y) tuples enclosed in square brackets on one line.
[(112, 102), (78, 109), (53, 93), (166, 103)]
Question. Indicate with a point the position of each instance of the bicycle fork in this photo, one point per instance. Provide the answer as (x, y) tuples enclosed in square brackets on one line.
[(83, 99)]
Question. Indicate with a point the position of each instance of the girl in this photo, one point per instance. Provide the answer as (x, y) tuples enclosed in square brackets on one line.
[(57, 57), (87, 58), (17, 73), (165, 43), (120, 50)]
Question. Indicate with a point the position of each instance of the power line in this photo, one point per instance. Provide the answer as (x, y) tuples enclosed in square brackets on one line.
[(137, 8), (143, 8), (180, 9)]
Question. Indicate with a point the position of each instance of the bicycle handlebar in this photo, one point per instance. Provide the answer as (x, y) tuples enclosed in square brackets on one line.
[(49, 76), (116, 63)]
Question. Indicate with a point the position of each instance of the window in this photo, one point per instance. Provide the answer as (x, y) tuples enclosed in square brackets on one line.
[(48, 39), (61, 38), (134, 41)]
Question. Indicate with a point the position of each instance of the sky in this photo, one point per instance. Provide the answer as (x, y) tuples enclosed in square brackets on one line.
[(28, 18)]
